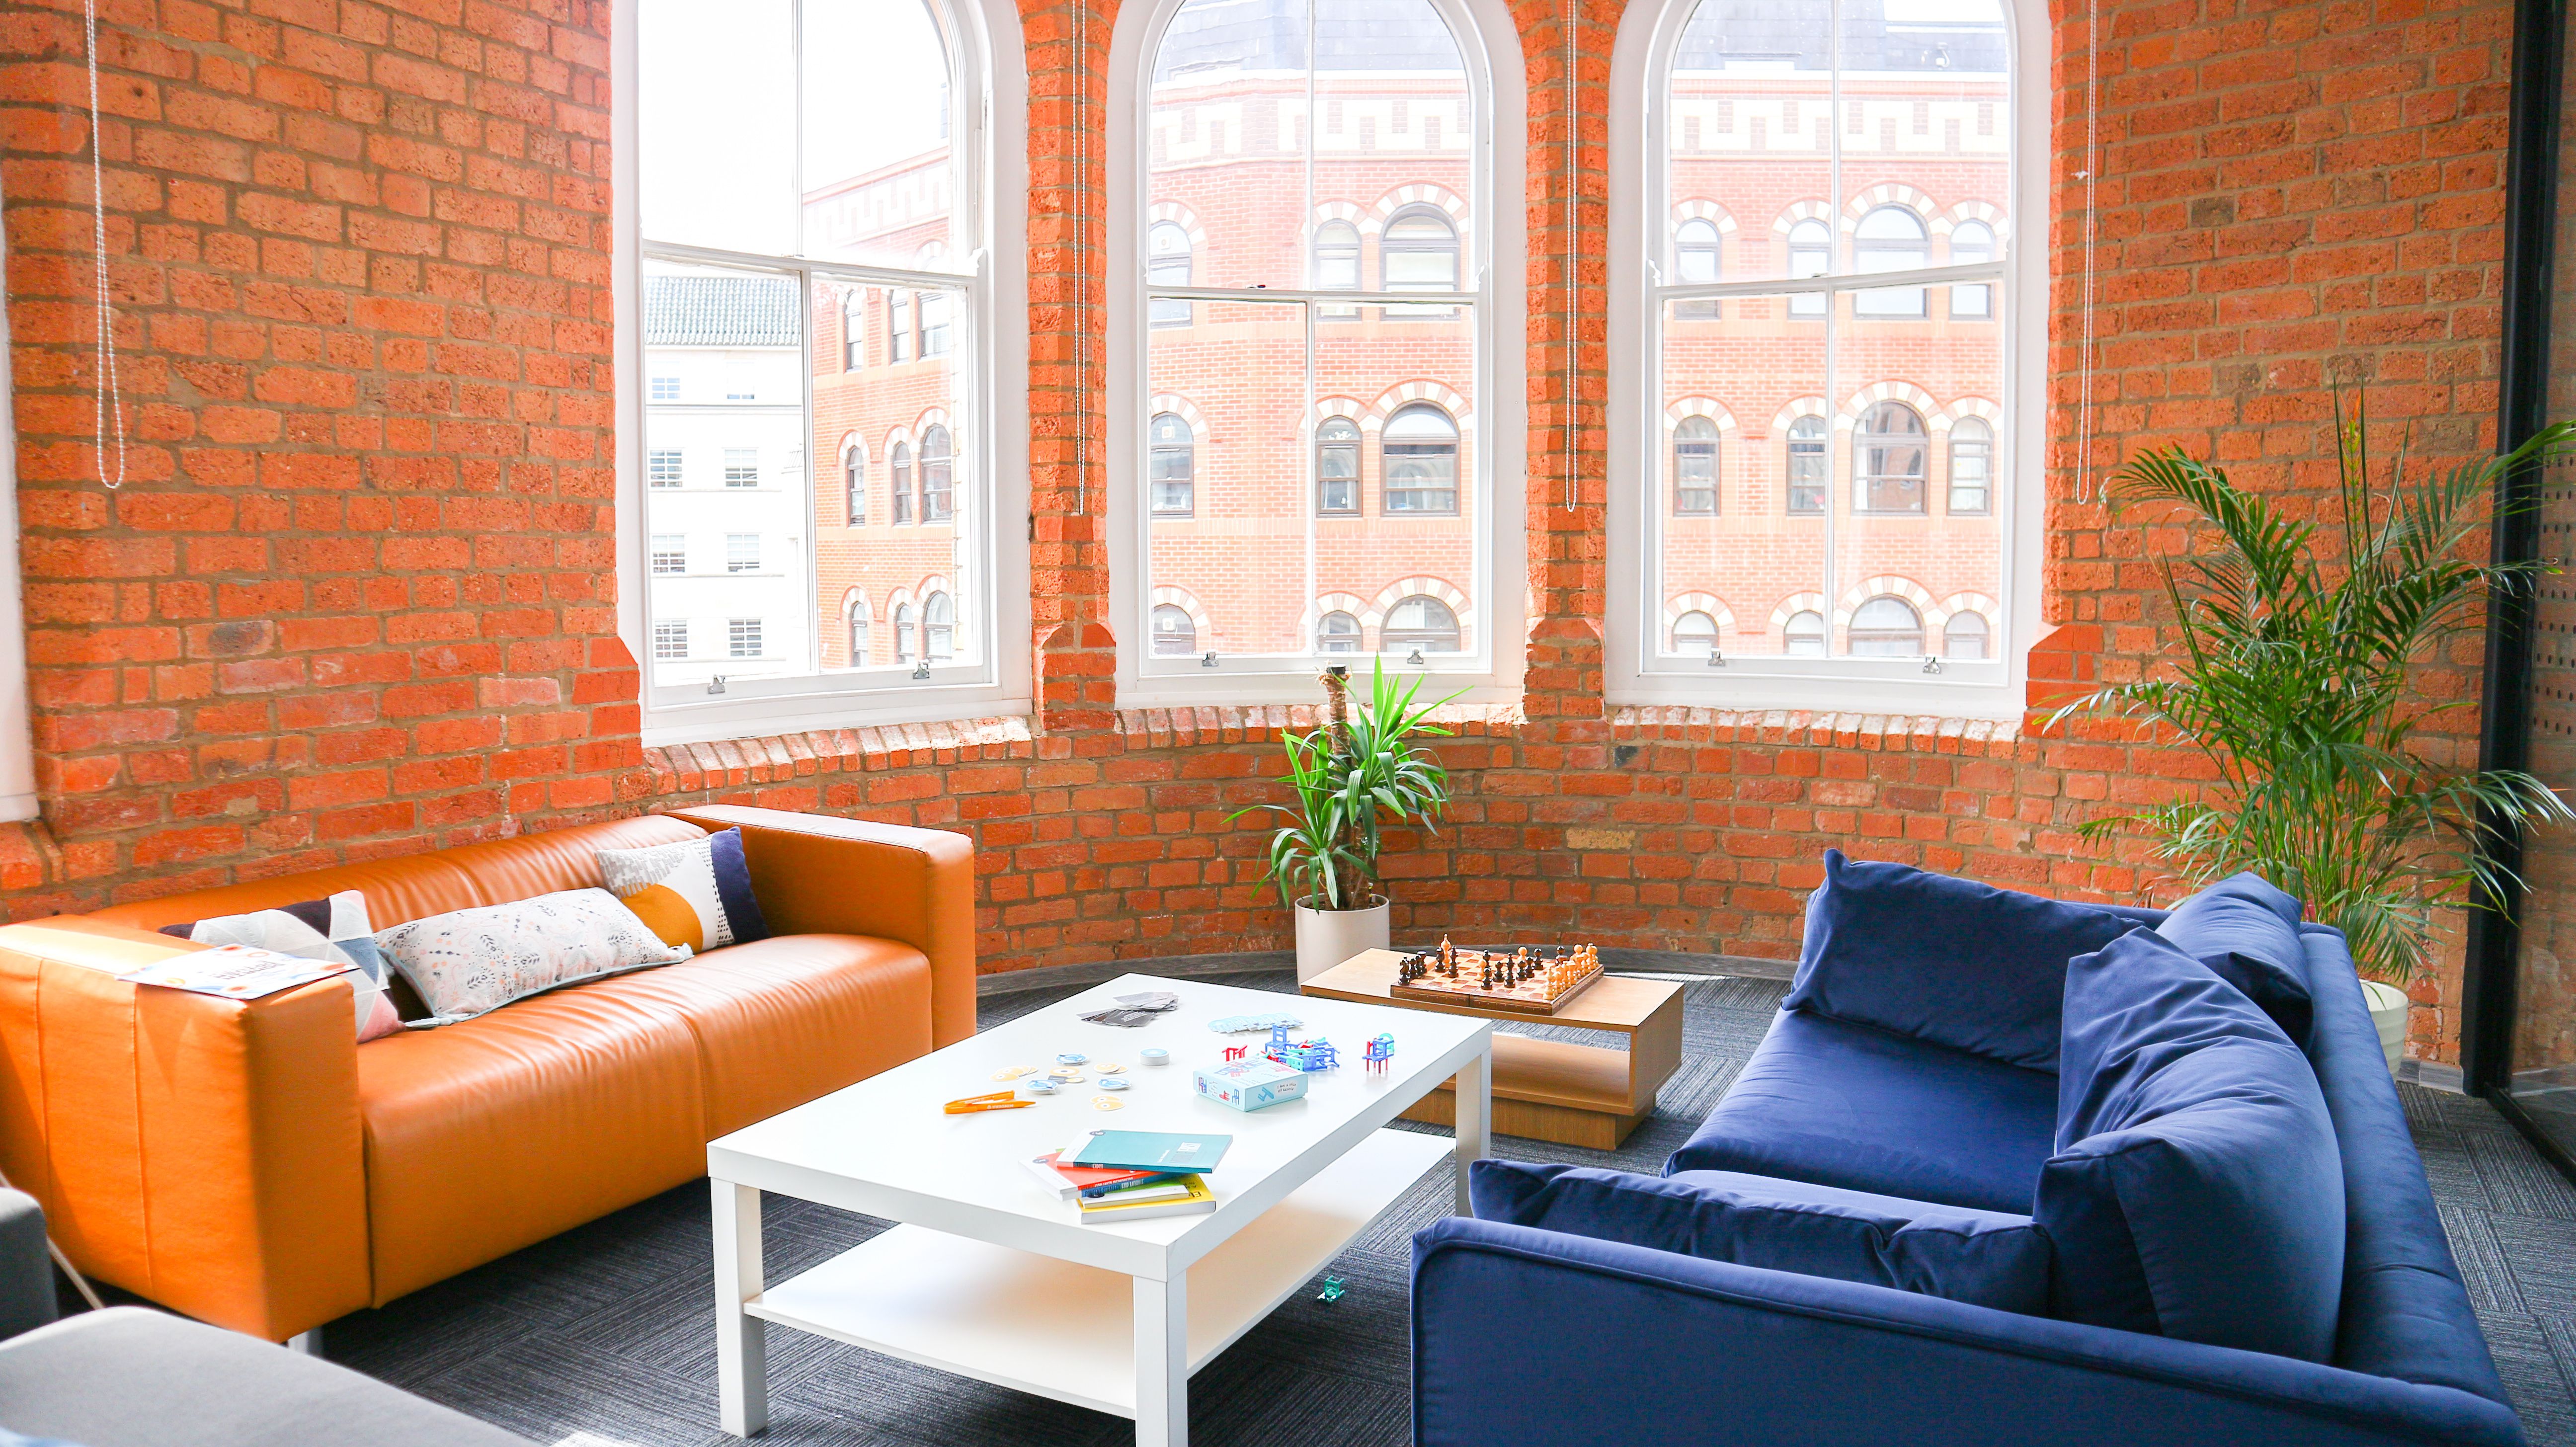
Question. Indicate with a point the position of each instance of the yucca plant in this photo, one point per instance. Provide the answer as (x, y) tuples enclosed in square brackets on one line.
[(2292, 681), (1363, 770)]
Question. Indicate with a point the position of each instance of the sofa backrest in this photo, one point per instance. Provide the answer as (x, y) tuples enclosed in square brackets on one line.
[(2405, 1312), (416, 886)]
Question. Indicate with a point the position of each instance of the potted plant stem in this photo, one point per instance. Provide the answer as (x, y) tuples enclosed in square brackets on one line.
[(1364, 770), (2292, 683)]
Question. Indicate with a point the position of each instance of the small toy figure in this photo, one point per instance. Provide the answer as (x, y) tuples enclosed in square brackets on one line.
[(1334, 1286), (1278, 1041), (1380, 1050), (1236, 1052)]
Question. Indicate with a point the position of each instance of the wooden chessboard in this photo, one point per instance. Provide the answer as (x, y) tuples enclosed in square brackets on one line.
[(1530, 997)]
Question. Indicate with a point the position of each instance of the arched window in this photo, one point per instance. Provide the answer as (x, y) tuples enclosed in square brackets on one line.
[(903, 632), (854, 619), (1420, 448), (938, 628), (1175, 636), (1167, 263), (820, 237), (1695, 635), (1889, 460), (1337, 632), (1972, 243), (1886, 627), (1964, 636), (1890, 238), (1695, 467), (1972, 461), (938, 498), (1337, 466), (1171, 461), (1337, 257), (1420, 621), (1811, 253), (1695, 258), (1803, 636), (1378, 280), (1806, 462), (1418, 251)]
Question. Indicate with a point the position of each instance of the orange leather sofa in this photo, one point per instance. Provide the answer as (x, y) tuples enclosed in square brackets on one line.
[(251, 1165)]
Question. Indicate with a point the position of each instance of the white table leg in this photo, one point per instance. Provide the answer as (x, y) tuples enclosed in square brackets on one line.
[(1163, 1362), (742, 1349), (1475, 1092)]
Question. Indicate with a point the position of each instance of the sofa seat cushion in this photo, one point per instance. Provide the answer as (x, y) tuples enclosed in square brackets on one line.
[(2198, 1189), (128, 1377), (782, 1020), (1985, 1258), (1947, 961), (1837, 1104), (499, 1131)]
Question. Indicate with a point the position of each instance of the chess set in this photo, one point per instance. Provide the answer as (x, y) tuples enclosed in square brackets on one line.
[(1524, 980)]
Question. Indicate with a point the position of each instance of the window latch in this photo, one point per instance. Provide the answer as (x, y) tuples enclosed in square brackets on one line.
[(1416, 660), (1208, 659), (1716, 659), (922, 670), (716, 684), (1931, 663)]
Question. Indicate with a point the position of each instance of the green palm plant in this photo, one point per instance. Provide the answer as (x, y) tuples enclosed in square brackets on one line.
[(2292, 683), (1363, 770)]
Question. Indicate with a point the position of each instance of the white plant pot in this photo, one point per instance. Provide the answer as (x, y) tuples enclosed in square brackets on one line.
[(1327, 937), (2388, 1012)]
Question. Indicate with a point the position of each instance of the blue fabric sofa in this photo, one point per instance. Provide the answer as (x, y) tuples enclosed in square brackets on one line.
[(1528, 1335)]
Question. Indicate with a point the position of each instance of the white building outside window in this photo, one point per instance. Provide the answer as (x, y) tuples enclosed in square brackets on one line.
[(742, 637), (670, 554)]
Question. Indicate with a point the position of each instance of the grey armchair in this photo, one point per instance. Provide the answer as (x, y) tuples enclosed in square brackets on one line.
[(132, 1377)]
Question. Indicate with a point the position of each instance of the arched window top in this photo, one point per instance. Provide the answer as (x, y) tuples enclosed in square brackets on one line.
[(1972, 241), (938, 610), (1964, 636), (1175, 635), (934, 443), (1171, 465), (1168, 429), (1337, 632), (1889, 459), (1803, 636), (1421, 621), (1420, 422), (1886, 627), (1418, 250), (1167, 239), (903, 454), (1695, 428), (1971, 429), (1695, 634), (1338, 429), (1891, 225)]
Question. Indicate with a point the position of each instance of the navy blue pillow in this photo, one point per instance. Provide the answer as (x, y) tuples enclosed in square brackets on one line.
[(1947, 960), (1987, 1258), (2197, 1189), (2247, 933)]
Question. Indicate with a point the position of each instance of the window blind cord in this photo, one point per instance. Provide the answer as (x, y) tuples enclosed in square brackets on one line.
[(1081, 75), (1573, 287), (2091, 174), (109, 393)]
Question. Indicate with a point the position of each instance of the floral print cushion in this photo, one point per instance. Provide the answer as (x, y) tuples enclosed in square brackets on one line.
[(475, 960)]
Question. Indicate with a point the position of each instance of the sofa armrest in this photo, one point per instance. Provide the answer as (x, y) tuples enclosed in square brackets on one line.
[(816, 874), (202, 1153), (26, 1269), (1522, 1335)]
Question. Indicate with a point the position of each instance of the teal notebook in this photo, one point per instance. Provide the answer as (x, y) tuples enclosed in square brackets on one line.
[(1151, 1150)]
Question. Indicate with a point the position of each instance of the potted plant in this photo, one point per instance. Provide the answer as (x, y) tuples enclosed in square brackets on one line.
[(1364, 770), (2292, 683)]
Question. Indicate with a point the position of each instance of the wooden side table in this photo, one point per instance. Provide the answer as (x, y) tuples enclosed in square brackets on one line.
[(1550, 1090)]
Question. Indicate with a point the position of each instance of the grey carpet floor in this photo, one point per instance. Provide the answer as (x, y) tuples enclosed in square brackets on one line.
[(603, 1337)]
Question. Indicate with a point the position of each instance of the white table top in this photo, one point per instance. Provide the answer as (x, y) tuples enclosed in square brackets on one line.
[(883, 1146)]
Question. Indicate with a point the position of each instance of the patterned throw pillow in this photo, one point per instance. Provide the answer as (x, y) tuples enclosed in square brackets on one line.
[(695, 893), (333, 929), (481, 959)]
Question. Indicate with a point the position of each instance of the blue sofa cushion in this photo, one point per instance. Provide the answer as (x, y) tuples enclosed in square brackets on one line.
[(2247, 933), (1987, 1258), (1946, 960), (2197, 1191), (1835, 1104)]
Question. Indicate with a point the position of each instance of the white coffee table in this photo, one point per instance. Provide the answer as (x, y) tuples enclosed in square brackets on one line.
[(991, 1277)]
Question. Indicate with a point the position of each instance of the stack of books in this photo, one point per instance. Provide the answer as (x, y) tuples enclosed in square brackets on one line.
[(1133, 1175)]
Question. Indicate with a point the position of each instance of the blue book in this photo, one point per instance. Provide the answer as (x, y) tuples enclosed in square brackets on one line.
[(1151, 1150)]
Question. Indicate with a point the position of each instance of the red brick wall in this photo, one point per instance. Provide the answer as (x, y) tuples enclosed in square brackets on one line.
[(357, 597)]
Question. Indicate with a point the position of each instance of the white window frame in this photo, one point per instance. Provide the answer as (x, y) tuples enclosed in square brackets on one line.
[(1492, 266), (991, 368), (1636, 671)]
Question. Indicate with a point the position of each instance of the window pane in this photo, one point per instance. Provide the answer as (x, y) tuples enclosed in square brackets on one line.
[(1241, 546), (670, 553), (1694, 635), (1886, 627), (716, 119), (879, 182), (1339, 632), (1421, 623), (1893, 481), (1420, 448), (912, 530), (1971, 244), (744, 329), (1174, 635), (670, 638), (1972, 455), (1964, 636), (1337, 466), (1890, 238), (662, 466), (1695, 483), (1746, 119), (1754, 554)]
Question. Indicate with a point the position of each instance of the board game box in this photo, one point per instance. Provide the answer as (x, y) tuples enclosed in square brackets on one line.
[(1523, 979)]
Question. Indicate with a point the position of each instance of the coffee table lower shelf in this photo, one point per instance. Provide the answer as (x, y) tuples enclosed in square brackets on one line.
[(1555, 1090), (1057, 1329)]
